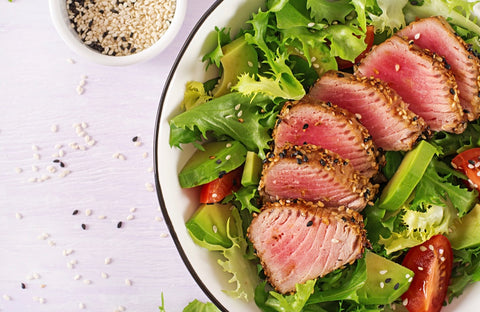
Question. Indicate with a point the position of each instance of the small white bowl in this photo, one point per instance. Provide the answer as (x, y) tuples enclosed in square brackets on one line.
[(59, 15)]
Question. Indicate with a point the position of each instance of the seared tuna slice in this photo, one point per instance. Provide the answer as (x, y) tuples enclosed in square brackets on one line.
[(314, 174), (296, 243), (425, 33), (310, 121), (421, 79), (381, 110)]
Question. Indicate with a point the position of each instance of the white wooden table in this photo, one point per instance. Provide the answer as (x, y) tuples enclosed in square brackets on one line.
[(48, 262)]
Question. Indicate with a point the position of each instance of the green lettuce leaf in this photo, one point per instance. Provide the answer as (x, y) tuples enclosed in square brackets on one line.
[(220, 117), (214, 57), (466, 270), (198, 306), (330, 11), (451, 144), (247, 196), (194, 95), (391, 18), (273, 301)]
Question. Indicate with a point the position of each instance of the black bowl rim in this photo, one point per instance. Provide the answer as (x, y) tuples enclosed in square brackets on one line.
[(168, 221)]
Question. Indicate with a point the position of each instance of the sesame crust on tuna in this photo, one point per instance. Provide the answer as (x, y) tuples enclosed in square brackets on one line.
[(313, 216), (330, 163), (356, 131)]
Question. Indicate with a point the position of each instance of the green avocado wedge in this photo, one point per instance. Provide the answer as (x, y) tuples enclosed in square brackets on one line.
[(466, 230), (386, 280), (407, 176), (252, 170), (215, 160)]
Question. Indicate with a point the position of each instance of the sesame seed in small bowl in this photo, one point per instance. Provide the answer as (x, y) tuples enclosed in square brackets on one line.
[(117, 32)]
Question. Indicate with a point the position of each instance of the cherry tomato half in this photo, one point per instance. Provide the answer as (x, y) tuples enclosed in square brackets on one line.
[(432, 264), (218, 189), (467, 162), (369, 37)]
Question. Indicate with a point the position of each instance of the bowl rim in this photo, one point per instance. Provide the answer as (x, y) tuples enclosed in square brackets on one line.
[(71, 39), (163, 207)]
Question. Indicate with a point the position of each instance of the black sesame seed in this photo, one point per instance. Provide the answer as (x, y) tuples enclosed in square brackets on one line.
[(466, 111), (56, 160), (388, 280), (329, 104), (75, 212), (133, 50), (62, 164), (131, 34), (124, 39), (305, 126), (309, 223), (119, 224), (345, 163), (471, 162), (452, 91), (222, 173), (340, 75), (335, 161), (299, 161), (135, 139), (84, 226), (114, 11), (305, 158), (281, 155), (23, 285), (415, 118), (322, 162), (218, 161), (397, 285), (447, 66)]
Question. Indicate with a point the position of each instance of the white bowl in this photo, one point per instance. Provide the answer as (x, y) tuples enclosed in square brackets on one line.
[(179, 204), (59, 15)]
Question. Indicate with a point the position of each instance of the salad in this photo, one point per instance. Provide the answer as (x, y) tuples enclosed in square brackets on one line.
[(286, 47)]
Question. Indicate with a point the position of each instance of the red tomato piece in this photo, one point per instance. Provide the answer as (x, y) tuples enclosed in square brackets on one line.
[(469, 163), (369, 37), (218, 189), (432, 264)]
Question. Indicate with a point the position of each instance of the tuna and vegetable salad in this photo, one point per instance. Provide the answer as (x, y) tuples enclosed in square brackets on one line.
[(338, 154)]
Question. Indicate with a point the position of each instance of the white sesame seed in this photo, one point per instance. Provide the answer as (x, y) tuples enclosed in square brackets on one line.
[(121, 308), (442, 259), (214, 229), (51, 169), (58, 146), (7, 297), (36, 156), (51, 243), (150, 169), (81, 306), (158, 219), (334, 240), (441, 251), (35, 147), (410, 279), (383, 272), (239, 114), (311, 24), (214, 195), (138, 143), (87, 282), (228, 145), (382, 284), (20, 170), (128, 282), (423, 248), (71, 61), (130, 217), (101, 217), (64, 173), (41, 300), (397, 67), (133, 209), (54, 128), (88, 212), (417, 36), (420, 268), (121, 157), (470, 166), (104, 275), (228, 157), (237, 107), (163, 235), (69, 265), (313, 59), (430, 247), (250, 64), (407, 275), (149, 187), (145, 155), (36, 275), (77, 277), (18, 215), (91, 142), (79, 90), (315, 65), (108, 260), (405, 302), (82, 83), (61, 153), (358, 116), (84, 77), (32, 180)]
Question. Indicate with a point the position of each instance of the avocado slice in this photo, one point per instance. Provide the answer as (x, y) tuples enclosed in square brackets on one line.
[(209, 224), (386, 280), (217, 159), (238, 58), (252, 169), (466, 231), (407, 176)]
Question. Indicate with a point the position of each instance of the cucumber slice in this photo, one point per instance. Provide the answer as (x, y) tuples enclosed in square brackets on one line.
[(217, 159), (407, 176)]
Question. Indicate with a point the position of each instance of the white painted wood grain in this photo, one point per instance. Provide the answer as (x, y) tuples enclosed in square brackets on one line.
[(38, 90)]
